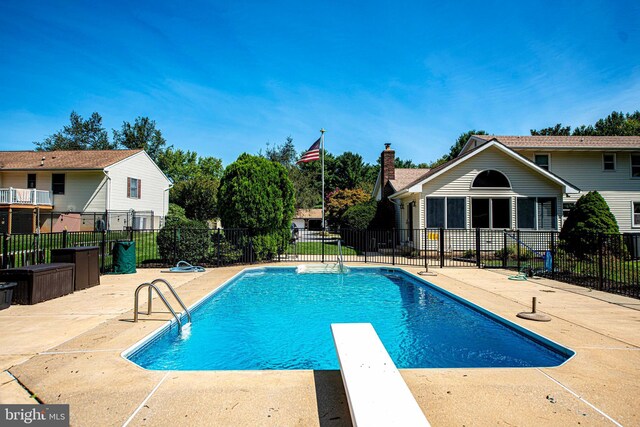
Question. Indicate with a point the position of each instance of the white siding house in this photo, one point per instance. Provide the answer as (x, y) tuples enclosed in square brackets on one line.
[(609, 165), (77, 190)]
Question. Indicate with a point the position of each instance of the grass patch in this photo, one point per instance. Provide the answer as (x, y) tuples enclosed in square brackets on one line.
[(315, 248)]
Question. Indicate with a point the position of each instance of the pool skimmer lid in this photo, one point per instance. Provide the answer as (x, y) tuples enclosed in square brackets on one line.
[(534, 315)]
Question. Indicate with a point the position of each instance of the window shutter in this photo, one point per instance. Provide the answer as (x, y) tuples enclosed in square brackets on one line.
[(139, 189), (128, 187)]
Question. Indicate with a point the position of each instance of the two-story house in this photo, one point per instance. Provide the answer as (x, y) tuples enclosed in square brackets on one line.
[(523, 182), (607, 164), (80, 190)]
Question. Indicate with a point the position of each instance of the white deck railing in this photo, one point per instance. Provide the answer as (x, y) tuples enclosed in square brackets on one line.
[(24, 196)]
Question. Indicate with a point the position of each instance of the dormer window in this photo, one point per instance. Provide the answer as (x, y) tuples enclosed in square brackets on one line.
[(609, 161), (491, 179), (542, 160)]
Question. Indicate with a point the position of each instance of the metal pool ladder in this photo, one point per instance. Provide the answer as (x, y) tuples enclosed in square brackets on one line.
[(151, 286), (340, 263)]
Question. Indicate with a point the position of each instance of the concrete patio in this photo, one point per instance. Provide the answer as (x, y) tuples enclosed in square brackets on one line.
[(68, 351)]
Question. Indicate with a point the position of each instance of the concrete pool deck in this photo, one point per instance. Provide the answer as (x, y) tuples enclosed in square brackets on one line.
[(68, 351)]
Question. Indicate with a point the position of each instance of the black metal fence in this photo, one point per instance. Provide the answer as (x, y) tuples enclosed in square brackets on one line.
[(605, 262)]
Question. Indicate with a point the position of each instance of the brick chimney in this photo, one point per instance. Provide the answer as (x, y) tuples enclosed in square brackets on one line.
[(387, 164)]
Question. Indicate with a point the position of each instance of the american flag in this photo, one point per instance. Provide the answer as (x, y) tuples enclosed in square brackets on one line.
[(313, 153)]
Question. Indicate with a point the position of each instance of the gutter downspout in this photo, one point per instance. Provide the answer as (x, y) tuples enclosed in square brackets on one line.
[(107, 198), (165, 201)]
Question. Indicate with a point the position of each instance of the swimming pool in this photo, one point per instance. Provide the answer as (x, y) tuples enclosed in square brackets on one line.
[(276, 318)]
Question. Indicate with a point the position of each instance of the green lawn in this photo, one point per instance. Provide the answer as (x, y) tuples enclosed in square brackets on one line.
[(315, 248)]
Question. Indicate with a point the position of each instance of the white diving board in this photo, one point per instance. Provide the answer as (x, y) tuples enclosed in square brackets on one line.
[(377, 394)]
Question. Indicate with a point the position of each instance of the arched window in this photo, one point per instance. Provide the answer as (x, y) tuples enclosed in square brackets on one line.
[(491, 179)]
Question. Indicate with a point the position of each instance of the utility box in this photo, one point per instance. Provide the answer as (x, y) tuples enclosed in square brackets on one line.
[(124, 257), (38, 283), (87, 262)]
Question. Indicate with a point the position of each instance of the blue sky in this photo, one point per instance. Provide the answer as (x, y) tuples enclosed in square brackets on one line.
[(223, 78)]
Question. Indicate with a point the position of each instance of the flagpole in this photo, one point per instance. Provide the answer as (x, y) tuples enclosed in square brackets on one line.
[(322, 131)]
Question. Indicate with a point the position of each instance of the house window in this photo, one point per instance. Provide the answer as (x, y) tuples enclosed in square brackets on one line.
[(491, 179), (456, 212), (526, 209), (31, 180), (609, 161), (134, 189), (490, 213), (445, 212), (537, 213), (542, 160), (635, 165), (435, 212), (547, 213), (636, 214), (57, 183)]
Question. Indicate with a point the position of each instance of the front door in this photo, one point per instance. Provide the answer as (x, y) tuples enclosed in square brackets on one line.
[(410, 220)]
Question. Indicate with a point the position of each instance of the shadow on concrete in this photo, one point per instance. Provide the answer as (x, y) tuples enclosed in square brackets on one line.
[(333, 407)]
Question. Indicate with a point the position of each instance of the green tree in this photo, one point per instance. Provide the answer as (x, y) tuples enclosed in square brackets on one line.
[(284, 154), (554, 130), (339, 201), (198, 198), (457, 147), (142, 134), (349, 170), (385, 217), (257, 194), (80, 134), (182, 165), (588, 218), (615, 124)]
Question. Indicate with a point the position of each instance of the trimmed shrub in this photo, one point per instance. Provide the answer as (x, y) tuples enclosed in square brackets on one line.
[(590, 217), (183, 239), (360, 216), (256, 194)]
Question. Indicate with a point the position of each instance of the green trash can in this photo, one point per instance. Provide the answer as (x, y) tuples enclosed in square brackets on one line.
[(124, 257)]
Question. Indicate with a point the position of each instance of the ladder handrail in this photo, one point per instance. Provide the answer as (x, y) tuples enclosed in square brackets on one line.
[(340, 263), (166, 303), (175, 295)]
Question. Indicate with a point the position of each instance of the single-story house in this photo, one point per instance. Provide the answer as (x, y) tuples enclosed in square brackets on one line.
[(308, 219)]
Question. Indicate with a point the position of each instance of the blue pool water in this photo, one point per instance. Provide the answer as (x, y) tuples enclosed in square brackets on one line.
[(275, 318)]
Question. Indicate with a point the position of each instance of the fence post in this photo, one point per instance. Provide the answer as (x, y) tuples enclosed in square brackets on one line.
[(441, 243), (103, 250), (424, 243), (218, 261), (5, 250), (504, 249), (250, 249), (478, 247), (366, 244), (64, 239), (323, 231), (600, 263), (175, 246), (393, 246), (553, 254), (518, 247)]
